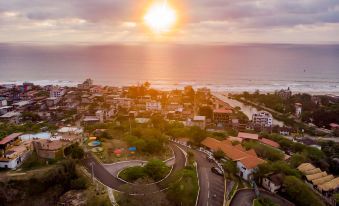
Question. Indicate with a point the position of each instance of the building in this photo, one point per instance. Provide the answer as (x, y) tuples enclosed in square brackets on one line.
[(153, 106), (87, 84), (273, 182), (284, 93), (12, 117), (3, 102), (49, 149), (263, 119), (298, 109), (247, 161), (122, 102), (13, 151), (324, 183), (57, 92), (255, 137), (221, 117), (90, 120), (100, 114), (199, 121)]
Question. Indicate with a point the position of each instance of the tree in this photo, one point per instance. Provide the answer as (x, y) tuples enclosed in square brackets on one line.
[(264, 151), (206, 111), (197, 135), (156, 169), (74, 151), (231, 167), (297, 159), (218, 154), (300, 193)]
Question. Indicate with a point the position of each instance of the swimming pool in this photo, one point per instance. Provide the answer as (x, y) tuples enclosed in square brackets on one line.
[(41, 135)]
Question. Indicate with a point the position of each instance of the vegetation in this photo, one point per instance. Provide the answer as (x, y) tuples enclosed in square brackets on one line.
[(336, 197), (307, 153), (178, 130), (154, 169), (185, 191), (147, 140), (230, 168), (8, 128), (300, 193), (218, 154), (264, 151), (74, 151), (277, 167), (263, 202), (206, 111), (321, 113), (42, 188)]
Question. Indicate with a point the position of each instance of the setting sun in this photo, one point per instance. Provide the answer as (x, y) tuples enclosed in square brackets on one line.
[(160, 18)]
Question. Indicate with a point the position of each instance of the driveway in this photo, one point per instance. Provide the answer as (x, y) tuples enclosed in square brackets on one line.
[(245, 197), (106, 177)]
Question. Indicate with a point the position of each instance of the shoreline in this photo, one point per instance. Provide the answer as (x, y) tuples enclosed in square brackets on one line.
[(217, 88)]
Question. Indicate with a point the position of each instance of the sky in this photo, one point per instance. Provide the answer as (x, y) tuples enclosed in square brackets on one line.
[(200, 21)]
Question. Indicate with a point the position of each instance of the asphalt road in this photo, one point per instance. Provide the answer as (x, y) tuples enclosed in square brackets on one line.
[(104, 176), (245, 197), (212, 186)]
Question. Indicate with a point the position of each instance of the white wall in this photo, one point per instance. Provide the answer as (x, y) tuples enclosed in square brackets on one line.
[(246, 173)]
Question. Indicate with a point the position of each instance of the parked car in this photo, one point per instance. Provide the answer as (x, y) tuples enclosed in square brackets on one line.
[(210, 158), (217, 171)]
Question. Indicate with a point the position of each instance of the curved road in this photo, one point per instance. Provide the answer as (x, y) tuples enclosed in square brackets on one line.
[(109, 180), (212, 186), (245, 197)]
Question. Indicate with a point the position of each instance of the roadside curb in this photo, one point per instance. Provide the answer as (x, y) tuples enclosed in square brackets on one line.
[(109, 190), (196, 169)]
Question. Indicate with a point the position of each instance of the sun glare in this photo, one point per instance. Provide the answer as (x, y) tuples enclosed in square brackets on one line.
[(160, 18)]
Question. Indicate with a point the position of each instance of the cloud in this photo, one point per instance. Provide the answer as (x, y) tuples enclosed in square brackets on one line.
[(219, 20)]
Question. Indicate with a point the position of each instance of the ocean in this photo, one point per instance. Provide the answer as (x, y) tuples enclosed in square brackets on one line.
[(226, 68)]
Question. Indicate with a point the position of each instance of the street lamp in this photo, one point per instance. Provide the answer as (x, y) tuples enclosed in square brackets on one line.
[(92, 169)]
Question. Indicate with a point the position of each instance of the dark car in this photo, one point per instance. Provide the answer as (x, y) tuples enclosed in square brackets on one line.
[(217, 171), (210, 158)]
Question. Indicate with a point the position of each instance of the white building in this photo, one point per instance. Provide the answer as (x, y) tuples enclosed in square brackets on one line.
[(123, 102), (263, 119), (14, 151), (198, 121), (57, 92), (3, 103), (153, 105), (247, 166), (100, 114), (298, 109)]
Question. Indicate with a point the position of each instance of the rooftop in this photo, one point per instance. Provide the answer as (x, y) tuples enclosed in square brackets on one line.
[(223, 111), (236, 153), (269, 142), (10, 114), (9, 138), (199, 118), (245, 135)]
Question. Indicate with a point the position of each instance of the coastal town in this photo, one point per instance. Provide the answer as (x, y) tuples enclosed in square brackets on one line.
[(192, 141)]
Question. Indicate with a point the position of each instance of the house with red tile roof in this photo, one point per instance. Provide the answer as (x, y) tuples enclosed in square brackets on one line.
[(247, 160), (248, 136)]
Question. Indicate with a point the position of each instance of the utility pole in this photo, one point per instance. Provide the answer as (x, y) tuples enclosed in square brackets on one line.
[(130, 126), (92, 169)]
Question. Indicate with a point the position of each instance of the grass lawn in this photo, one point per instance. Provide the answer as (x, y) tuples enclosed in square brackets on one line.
[(132, 174), (256, 203), (108, 156), (185, 191)]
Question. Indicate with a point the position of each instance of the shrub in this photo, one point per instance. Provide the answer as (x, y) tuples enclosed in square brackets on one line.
[(300, 193), (79, 183)]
